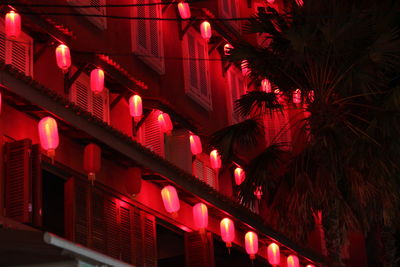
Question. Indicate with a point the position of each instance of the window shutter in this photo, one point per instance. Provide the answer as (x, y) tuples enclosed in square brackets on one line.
[(151, 135), (100, 106), (138, 238), (192, 63), (177, 149), (80, 94), (18, 200), (112, 228), (142, 25), (2, 45), (149, 240), (98, 238), (211, 177), (198, 169), (202, 69), (203, 171), (154, 31), (37, 185), (127, 232), (77, 195), (199, 250)]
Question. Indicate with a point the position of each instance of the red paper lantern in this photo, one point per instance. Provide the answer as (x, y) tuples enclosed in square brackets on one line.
[(200, 216), (97, 81), (48, 135), (227, 229), (251, 243), (239, 175), (195, 144), (135, 107), (245, 68), (258, 192), (165, 123), (13, 25), (133, 181), (215, 159), (92, 161), (266, 86), (205, 29), (297, 96), (274, 255), (271, 1), (170, 199), (227, 49), (292, 261), (310, 265), (184, 10), (299, 2), (63, 57)]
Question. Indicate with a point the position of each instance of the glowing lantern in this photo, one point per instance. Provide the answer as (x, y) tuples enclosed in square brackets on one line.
[(63, 57), (271, 1), (205, 29), (292, 261), (251, 242), (195, 144), (184, 10), (239, 176), (13, 25), (258, 192), (310, 265), (244, 66), (48, 135), (92, 160), (170, 199), (215, 159), (266, 86), (133, 182), (135, 107), (200, 216), (227, 228), (227, 49), (97, 81), (274, 255), (165, 123), (297, 96), (299, 2)]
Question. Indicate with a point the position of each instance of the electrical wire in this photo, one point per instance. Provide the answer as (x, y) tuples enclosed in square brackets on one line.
[(94, 6)]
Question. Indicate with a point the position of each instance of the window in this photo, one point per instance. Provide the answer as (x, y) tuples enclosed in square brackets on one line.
[(203, 171), (177, 149), (150, 134), (83, 97), (196, 69), (18, 53), (277, 128), (236, 90), (229, 9), (96, 9), (147, 36)]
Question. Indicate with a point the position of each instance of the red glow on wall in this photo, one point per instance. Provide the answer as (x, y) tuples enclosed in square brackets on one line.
[(170, 199), (239, 175), (92, 160), (48, 135), (297, 96), (13, 25), (266, 86), (133, 181), (200, 216), (135, 107), (274, 255), (63, 57), (292, 261), (227, 49), (227, 229), (195, 144), (205, 29), (251, 243), (97, 81), (215, 159), (184, 10), (165, 123)]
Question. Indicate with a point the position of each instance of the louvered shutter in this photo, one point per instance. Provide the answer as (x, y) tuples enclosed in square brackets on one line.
[(18, 200), (203, 70), (77, 201), (100, 107), (142, 25), (199, 250), (203, 171), (2, 45), (177, 149), (80, 94), (112, 228), (127, 232), (98, 237), (19, 54), (211, 177), (192, 62), (226, 7), (138, 238), (151, 135), (149, 240), (36, 186), (198, 169)]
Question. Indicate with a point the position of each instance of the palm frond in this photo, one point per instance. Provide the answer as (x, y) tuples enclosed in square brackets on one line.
[(257, 103)]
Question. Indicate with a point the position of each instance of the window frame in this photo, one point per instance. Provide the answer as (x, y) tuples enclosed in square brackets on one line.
[(233, 4), (235, 74)]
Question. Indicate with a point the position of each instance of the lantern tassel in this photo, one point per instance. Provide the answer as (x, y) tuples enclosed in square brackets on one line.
[(174, 215), (202, 231), (51, 153), (92, 177)]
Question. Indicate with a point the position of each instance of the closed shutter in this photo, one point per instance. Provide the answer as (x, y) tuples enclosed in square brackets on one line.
[(237, 89), (127, 232), (80, 95), (198, 169), (112, 228), (199, 250), (211, 177), (18, 200), (203, 171), (100, 107), (2, 45), (149, 240), (142, 26), (77, 203), (37, 186), (96, 9), (177, 149), (138, 238), (150, 134), (98, 236), (192, 62)]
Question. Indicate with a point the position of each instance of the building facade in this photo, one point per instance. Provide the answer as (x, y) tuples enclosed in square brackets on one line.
[(52, 214)]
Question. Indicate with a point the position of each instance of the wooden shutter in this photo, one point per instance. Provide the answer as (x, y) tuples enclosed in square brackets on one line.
[(2, 44), (100, 107), (198, 169), (211, 177), (36, 175), (150, 134), (112, 227), (199, 250), (149, 240), (192, 62), (97, 225), (77, 204), (80, 94), (138, 238), (177, 149), (126, 213), (203, 171), (237, 89), (18, 199)]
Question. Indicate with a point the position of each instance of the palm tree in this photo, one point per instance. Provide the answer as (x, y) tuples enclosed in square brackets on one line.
[(347, 53)]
